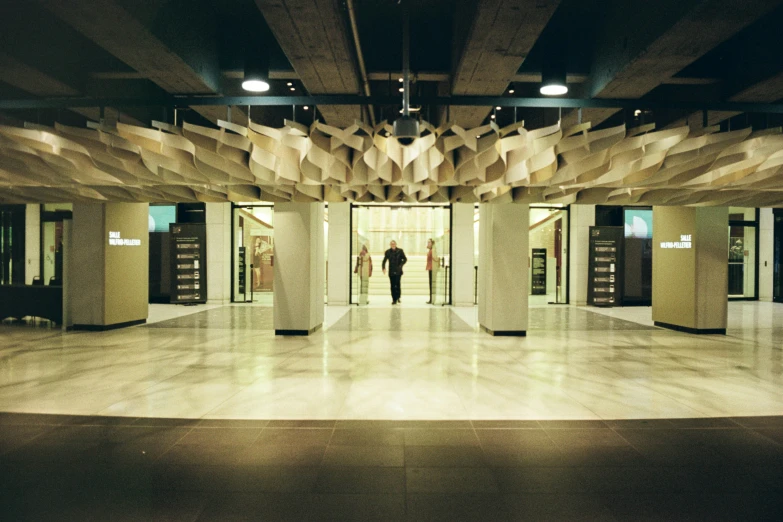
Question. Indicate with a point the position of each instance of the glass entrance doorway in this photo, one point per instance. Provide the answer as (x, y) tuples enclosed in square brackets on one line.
[(254, 241), (411, 227), (777, 261), (743, 241), (547, 275)]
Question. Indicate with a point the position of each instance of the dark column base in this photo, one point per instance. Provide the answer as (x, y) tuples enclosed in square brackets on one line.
[(104, 327), (505, 333), (699, 331), (298, 332)]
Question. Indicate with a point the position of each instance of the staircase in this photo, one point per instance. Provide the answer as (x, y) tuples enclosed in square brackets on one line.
[(415, 280)]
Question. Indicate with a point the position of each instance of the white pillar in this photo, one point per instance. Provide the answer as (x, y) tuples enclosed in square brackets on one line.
[(690, 272), (32, 243), (766, 253), (339, 257), (218, 221), (462, 267), (503, 268), (582, 218), (299, 268)]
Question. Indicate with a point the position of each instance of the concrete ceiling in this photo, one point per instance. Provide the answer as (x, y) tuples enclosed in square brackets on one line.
[(669, 50)]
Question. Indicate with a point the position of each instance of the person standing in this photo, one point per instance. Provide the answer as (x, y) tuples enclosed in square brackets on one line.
[(364, 269), (396, 258), (432, 264)]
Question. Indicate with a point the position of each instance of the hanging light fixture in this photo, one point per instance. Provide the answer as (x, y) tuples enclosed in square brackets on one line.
[(256, 69), (553, 78), (406, 127)]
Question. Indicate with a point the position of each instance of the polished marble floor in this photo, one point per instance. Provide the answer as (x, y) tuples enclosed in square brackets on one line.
[(395, 363), (393, 413)]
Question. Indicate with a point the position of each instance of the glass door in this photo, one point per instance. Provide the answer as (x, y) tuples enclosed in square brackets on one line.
[(742, 253), (441, 258), (253, 258)]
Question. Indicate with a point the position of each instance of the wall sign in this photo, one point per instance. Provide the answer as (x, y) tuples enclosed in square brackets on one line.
[(604, 285), (188, 263), (684, 242), (116, 239), (538, 272)]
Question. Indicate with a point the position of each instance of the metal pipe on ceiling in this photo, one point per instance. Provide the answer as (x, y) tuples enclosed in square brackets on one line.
[(360, 58)]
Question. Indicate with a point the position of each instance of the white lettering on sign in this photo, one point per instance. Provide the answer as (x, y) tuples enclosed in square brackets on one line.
[(115, 239), (684, 242)]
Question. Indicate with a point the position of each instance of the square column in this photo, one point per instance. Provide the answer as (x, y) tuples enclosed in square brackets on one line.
[(108, 266), (463, 273), (32, 243), (218, 220), (766, 253), (690, 269), (503, 268), (582, 218), (299, 268), (339, 258)]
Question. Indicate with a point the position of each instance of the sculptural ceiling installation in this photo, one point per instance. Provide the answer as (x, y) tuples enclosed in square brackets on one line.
[(446, 164)]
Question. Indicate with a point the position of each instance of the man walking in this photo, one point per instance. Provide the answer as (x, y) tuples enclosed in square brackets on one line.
[(396, 258)]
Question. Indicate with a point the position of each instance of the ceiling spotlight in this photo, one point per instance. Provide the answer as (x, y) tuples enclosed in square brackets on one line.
[(553, 80), (256, 77), (498, 108), (289, 84), (400, 80), (401, 89), (493, 116), (511, 91), (637, 112), (293, 88), (307, 107)]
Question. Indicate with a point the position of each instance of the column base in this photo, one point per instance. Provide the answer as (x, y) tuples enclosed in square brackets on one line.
[(505, 333), (298, 332), (104, 327), (686, 329)]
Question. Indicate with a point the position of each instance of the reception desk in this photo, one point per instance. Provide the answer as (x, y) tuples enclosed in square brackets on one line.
[(31, 300)]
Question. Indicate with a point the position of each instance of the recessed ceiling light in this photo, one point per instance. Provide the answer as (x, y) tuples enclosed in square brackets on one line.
[(498, 108), (401, 89), (307, 107), (493, 116), (400, 80), (289, 84), (511, 91), (293, 88)]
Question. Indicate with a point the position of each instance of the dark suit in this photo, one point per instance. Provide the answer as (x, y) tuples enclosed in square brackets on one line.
[(396, 259)]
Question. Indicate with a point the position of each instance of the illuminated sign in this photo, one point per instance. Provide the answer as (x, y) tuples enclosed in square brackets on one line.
[(116, 239), (684, 242)]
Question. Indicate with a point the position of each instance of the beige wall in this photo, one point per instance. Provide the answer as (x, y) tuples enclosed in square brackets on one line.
[(690, 286), (108, 283), (87, 262), (503, 266), (127, 267)]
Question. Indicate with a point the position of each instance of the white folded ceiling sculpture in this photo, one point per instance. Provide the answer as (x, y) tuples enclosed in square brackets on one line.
[(364, 164)]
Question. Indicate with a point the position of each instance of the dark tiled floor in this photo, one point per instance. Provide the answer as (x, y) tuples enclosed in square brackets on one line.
[(434, 319), (97, 468), (246, 317), (569, 318)]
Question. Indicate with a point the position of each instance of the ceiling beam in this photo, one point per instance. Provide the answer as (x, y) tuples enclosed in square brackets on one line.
[(358, 100), (314, 38), (645, 44), (154, 38), (500, 36), (766, 91)]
